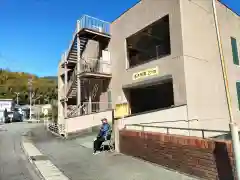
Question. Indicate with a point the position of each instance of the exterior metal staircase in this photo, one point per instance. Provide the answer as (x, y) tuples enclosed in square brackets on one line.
[(87, 28), (83, 43)]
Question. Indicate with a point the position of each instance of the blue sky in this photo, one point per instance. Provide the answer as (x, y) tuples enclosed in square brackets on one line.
[(34, 33)]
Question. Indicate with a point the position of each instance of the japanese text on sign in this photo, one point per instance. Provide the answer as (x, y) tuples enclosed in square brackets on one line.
[(145, 73)]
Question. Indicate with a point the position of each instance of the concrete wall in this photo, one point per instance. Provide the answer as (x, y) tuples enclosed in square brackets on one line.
[(167, 118), (91, 52), (60, 95), (87, 121), (206, 98), (229, 23), (141, 15)]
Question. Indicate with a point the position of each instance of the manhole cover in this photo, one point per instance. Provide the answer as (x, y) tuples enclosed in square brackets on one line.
[(39, 158)]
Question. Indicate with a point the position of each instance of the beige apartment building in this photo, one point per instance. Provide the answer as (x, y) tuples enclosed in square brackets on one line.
[(161, 57)]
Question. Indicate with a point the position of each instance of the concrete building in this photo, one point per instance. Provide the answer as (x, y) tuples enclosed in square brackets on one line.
[(5, 104), (162, 59)]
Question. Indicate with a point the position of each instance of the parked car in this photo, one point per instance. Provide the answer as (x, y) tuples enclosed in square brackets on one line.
[(17, 117), (10, 115), (7, 120)]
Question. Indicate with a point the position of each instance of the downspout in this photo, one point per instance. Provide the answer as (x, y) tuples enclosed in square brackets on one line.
[(65, 94), (78, 73)]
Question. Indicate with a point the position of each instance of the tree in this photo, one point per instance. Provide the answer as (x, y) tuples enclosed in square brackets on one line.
[(11, 82)]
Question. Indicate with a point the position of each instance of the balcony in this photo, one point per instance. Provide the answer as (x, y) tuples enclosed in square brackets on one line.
[(90, 68), (95, 67)]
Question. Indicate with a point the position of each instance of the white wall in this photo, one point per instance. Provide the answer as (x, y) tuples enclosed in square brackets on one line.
[(174, 117), (4, 104), (87, 121)]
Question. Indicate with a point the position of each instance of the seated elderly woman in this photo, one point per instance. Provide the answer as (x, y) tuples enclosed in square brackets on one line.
[(102, 136)]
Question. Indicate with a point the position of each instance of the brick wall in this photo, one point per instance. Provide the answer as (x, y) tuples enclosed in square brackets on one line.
[(204, 158)]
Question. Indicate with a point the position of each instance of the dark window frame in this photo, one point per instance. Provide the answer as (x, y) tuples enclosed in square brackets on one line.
[(138, 32), (235, 53), (238, 93)]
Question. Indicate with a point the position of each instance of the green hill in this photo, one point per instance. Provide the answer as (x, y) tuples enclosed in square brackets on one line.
[(10, 82)]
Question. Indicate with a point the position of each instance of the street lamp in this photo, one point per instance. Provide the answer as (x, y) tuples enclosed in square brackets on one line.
[(232, 124)]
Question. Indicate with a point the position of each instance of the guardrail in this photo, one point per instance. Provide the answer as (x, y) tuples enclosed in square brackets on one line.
[(88, 108), (95, 107), (176, 128), (95, 24), (75, 111)]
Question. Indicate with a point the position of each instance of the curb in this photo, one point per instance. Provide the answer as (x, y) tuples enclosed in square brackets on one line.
[(44, 168), (30, 160)]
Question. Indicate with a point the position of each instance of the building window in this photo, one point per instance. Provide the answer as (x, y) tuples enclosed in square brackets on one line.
[(238, 93), (234, 51), (152, 42)]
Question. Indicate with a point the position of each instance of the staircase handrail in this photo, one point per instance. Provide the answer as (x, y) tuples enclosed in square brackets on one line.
[(72, 78), (75, 109)]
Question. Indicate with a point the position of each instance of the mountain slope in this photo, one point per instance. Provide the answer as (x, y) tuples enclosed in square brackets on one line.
[(45, 89)]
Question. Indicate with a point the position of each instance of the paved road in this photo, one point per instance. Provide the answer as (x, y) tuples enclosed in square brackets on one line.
[(13, 162), (74, 158)]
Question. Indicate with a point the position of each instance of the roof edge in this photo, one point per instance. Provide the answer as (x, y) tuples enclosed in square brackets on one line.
[(229, 8), (141, 0), (126, 11)]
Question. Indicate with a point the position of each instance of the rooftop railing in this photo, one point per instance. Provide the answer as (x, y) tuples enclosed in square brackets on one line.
[(95, 24), (91, 23)]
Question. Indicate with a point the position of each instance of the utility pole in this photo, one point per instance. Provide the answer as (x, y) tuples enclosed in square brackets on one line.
[(34, 102), (30, 95), (17, 93), (232, 124)]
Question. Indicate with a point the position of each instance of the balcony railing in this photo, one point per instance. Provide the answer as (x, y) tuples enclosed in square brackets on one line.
[(87, 108), (95, 24), (95, 107), (92, 65)]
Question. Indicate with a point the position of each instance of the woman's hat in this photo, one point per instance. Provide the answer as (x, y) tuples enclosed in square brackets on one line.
[(104, 120)]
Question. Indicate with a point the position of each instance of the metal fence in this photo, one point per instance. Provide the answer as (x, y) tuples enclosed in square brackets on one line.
[(88, 108), (95, 24), (168, 130), (94, 65)]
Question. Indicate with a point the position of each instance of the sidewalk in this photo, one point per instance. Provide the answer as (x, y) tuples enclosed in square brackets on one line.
[(75, 159)]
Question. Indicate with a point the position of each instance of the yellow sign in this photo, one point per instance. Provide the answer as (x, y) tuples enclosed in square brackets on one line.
[(121, 110), (145, 73)]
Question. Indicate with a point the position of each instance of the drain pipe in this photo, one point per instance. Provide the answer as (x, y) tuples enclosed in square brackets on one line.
[(232, 124)]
